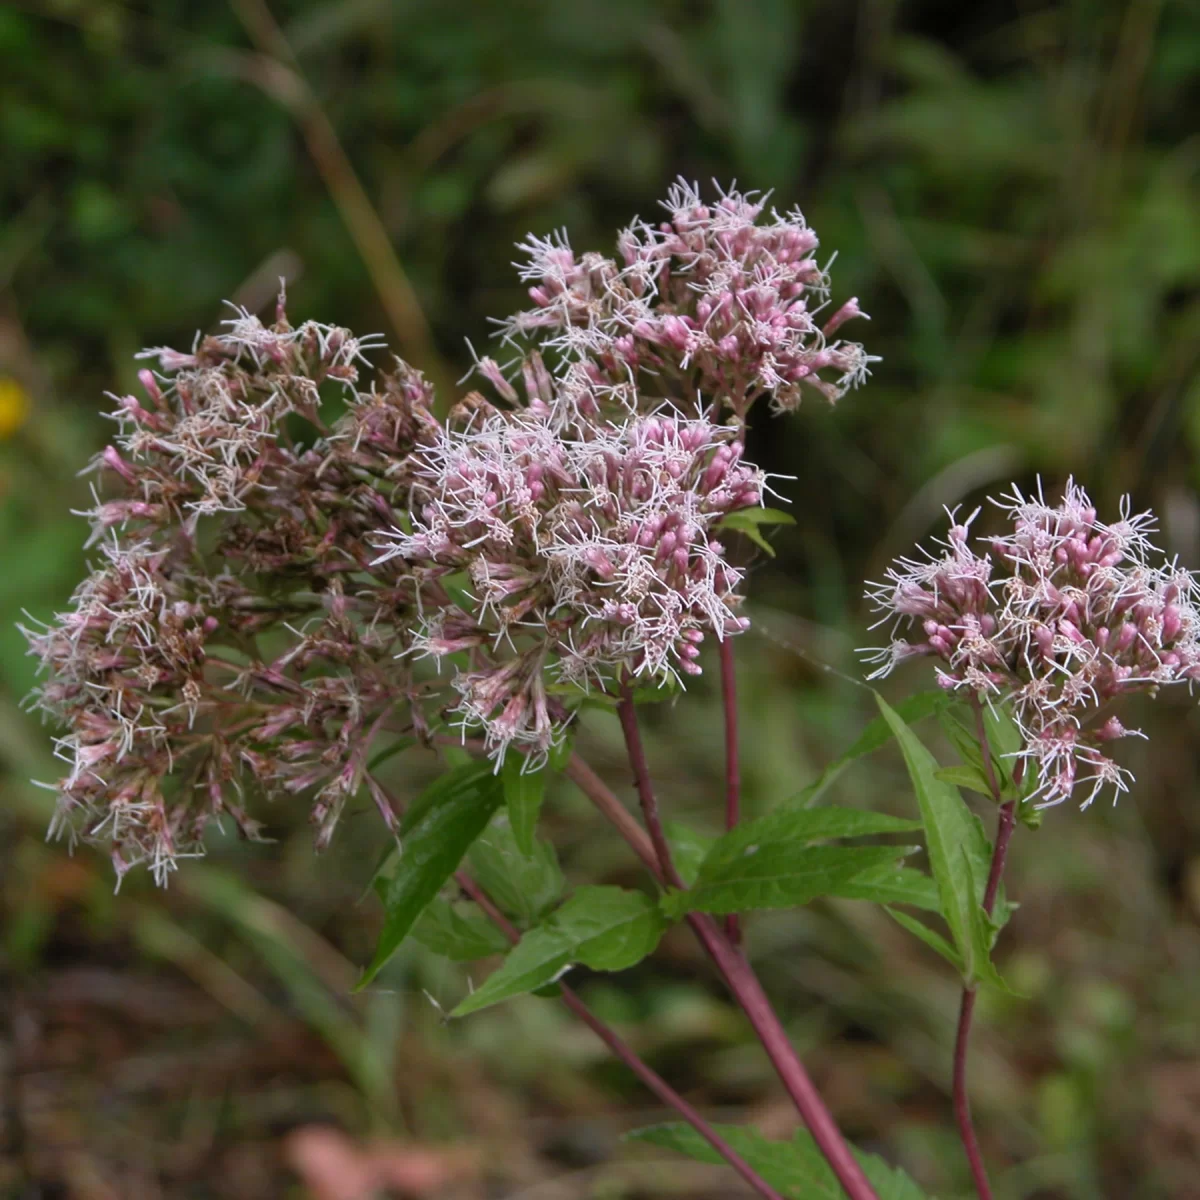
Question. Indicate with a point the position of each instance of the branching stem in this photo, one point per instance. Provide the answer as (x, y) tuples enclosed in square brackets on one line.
[(645, 789), (742, 981), (655, 1082)]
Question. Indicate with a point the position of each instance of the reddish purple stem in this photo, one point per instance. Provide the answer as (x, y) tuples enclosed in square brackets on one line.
[(655, 1082), (966, 1012), (627, 714), (746, 989)]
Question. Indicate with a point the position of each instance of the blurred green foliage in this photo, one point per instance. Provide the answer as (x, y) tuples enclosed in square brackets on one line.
[(1013, 191)]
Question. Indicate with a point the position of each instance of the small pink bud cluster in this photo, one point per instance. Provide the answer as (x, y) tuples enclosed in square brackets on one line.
[(709, 302), (1064, 616), (588, 561)]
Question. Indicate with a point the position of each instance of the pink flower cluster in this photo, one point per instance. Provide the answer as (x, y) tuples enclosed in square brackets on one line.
[(589, 560), (235, 632), (272, 584), (709, 302), (1066, 615)]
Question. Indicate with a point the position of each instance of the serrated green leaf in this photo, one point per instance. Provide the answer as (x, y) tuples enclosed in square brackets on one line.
[(458, 930), (797, 1169), (688, 849), (955, 840), (771, 863), (930, 937), (605, 928), (524, 791), (876, 735), (1003, 735), (983, 934), (435, 834), (970, 778), (779, 875), (524, 886), (803, 826), (961, 737), (1006, 742), (891, 884)]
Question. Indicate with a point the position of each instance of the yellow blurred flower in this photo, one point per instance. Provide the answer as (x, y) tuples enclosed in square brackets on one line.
[(14, 406)]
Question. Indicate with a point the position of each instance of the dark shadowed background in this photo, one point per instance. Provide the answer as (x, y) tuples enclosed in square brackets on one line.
[(1012, 191)]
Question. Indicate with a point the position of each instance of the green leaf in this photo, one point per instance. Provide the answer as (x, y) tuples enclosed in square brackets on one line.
[(457, 587), (750, 521), (688, 849), (560, 754), (1004, 741), (876, 735), (955, 840), (397, 747), (1003, 734), (891, 884), (770, 862), (961, 736), (970, 778), (930, 937), (803, 826), (756, 517), (983, 934), (605, 928), (524, 886), (780, 875), (524, 791), (435, 833), (797, 1168), (458, 930)]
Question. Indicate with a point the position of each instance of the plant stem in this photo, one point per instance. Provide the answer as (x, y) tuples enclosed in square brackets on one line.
[(962, 1102), (655, 1082), (744, 984), (748, 992), (645, 790), (733, 774), (598, 792), (966, 1012), (620, 1049)]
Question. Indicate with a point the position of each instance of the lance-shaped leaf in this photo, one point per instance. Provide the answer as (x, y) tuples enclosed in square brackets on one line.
[(772, 863), (458, 930), (751, 521), (605, 928), (959, 852), (434, 835), (525, 886), (876, 735), (797, 1168), (892, 884), (524, 791)]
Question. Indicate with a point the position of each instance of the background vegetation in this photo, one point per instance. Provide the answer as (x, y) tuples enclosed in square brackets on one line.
[(1011, 188)]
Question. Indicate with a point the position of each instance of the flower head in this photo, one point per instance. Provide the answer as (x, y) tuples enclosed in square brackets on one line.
[(278, 586), (1065, 615), (590, 559), (715, 300)]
